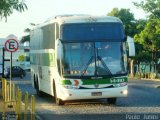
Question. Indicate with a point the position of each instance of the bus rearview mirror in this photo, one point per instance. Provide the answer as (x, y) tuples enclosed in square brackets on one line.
[(131, 46), (59, 50)]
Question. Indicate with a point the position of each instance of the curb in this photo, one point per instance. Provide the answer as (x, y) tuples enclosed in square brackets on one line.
[(157, 80)]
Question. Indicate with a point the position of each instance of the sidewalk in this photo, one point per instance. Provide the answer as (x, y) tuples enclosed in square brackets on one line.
[(2, 105), (6, 113), (157, 80)]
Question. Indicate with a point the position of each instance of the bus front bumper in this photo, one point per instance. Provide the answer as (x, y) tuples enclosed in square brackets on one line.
[(78, 94)]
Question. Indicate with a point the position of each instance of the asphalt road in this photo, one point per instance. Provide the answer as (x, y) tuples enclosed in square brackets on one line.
[(142, 103)]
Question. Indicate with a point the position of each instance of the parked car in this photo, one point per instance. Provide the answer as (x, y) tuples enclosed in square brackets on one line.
[(16, 72)]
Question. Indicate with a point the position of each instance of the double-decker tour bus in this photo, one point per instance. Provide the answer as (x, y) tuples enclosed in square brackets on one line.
[(77, 57)]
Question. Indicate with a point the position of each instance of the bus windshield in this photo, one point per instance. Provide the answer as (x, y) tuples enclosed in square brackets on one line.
[(94, 59)]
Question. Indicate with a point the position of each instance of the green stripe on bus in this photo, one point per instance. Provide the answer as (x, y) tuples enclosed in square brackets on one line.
[(66, 82), (44, 59), (104, 81), (48, 59), (98, 81)]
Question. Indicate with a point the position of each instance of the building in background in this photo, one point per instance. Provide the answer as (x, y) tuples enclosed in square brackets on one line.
[(22, 51)]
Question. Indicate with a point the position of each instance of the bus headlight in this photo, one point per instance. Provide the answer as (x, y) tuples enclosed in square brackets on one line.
[(124, 92)]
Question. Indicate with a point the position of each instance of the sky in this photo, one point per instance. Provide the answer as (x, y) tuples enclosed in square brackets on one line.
[(40, 10)]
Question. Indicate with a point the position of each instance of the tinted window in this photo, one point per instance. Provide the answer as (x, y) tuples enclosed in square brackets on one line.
[(92, 31)]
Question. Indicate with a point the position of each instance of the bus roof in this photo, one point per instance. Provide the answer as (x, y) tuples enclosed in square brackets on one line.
[(85, 19), (63, 19)]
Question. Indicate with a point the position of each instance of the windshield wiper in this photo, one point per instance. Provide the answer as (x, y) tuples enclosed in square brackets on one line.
[(96, 70), (105, 66), (86, 66)]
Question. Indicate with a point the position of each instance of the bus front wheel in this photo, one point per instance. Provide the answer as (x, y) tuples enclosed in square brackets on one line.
[(112, 100), (38, 92), (57, 100)]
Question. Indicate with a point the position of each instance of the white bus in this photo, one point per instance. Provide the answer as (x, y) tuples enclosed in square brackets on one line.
[(79, 57)]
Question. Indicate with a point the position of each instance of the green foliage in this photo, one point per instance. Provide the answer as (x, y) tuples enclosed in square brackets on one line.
[(21, 58), (8, 6), (141, 54), (140, 24), (149, 37), (27, 30), (150, 6), (25, 39)]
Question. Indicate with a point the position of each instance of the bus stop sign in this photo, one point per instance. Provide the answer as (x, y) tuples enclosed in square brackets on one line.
[(11, 45)]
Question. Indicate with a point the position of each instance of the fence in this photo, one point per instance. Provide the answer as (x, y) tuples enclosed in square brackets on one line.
[(22, 104)]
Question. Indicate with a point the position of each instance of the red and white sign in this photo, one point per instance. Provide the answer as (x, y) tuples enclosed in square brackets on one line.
[(11, 45)]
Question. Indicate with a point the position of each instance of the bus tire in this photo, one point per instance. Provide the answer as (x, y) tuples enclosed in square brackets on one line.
[(35, 85), (38, 92), (58, 101), (112, 100)]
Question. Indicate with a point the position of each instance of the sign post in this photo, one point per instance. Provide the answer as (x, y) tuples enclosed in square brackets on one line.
[(11, 45), (3, 62)]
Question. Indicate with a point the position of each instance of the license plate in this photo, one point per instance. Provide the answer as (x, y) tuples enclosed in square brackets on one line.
[(96, 93)]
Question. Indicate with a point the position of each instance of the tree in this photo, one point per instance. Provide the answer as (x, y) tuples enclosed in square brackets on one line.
[(27, 30), (25, 39), (8, 6), (141, 54), (150, 35), (127, 18), (150, 38), (150, 6)]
